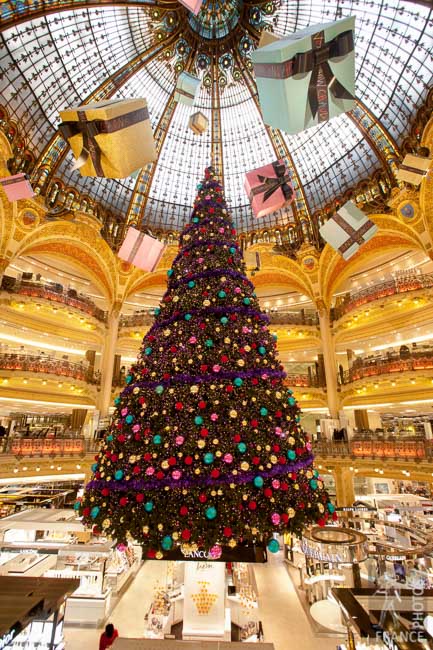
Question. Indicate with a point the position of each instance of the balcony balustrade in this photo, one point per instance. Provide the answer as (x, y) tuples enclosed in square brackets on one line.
[(47, 365), (54, 293), (414, 449), (374, 366), (404, 284)]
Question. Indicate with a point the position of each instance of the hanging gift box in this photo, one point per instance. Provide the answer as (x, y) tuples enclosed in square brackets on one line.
[(109, 139), (17, 187), (307, 77), (198, 123), (192, 5), (348, 229), (187, 88), (141, 250), (266, 38), (269, 188), (413, 169)]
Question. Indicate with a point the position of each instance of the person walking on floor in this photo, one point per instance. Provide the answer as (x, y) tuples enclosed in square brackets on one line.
[(108, 637)]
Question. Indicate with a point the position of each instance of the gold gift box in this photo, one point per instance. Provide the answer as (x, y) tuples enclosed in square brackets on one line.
[(198, 123), (109, 139), (413, 169)]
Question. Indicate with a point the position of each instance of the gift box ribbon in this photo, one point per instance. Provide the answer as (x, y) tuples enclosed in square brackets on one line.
[(90, 129), (414, 170), (355, 236), (135, 248), (315, 61), (269, 185)]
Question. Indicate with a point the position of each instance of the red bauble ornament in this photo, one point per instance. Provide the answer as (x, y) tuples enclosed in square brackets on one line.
[(204, 433), (227, 532), (172, 461), (86, 512), (215, 473), (151, 554), (121, 438), (236, 437), (178, 406), (147, 457), (139, 498), (123, 501), (202, 404), (203, 367), (252, 505), (267, 492), (255, 460), (136, 470), (141, 400), (202, 498), (278, 414), (321, 522), (137, 437), (254, 424), (229, 389), (282, 460), (188, 460), (276, 448), (284, 486), (183, 510), (284, 518), (186, 534), (105, 492), (224, 358), (159, 475), (254, 381)]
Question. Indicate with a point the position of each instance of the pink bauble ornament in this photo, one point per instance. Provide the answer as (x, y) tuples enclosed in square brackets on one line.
[(278, 431), (207, 197), (275, 484), (237, 290), (124, 411), (245, 330), (192, 339), (214, 417), (176, 474), (228, 458), (308, 446), (221, 230), (200, 260), (136, 428), (179, 440), (216, 368), (150, 471), (215, 552), (275, 517)]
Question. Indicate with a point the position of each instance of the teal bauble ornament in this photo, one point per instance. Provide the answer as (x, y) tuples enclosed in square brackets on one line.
[(157, 310), (110, 438), (77, 505), (117, 401), (258, 481), (208, 458), (238, 382), (94, 512), (148, 351), (167, 543), (148, 506), (273, 546), (263, 411), (313, 484), (209, 343), (298, 418), (222, 294), (187, 317), (291, 454), (191, 284), (128, 379), (211, 513), (292, 401), (157, 439), (232, 250), (224, 320), (94, 467), (262, 350), (118, 474), (129, 419), (195, 220), (198, 420), (159, 390), (331, 508), (246, 301), (242, 447)]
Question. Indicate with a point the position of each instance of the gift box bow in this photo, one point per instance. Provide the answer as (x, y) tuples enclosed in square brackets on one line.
[(90, 129), (270, 184), (315, 61), (355, 236)]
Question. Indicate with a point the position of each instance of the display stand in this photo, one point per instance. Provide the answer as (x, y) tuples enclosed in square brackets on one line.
[(205, 616)]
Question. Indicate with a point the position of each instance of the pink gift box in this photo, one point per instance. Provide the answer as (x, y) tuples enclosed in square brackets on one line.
[(269, 188), (141, 250), (193, 5), (17, 187)]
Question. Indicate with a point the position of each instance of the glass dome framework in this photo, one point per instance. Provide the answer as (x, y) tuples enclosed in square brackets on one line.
[(59, 55)]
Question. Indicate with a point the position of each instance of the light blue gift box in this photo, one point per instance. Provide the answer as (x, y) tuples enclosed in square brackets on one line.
[(186, 88), (307, 77), (348, 230)]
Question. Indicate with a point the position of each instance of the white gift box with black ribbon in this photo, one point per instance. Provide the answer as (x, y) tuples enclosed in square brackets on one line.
[(348, 229), (141, 250)]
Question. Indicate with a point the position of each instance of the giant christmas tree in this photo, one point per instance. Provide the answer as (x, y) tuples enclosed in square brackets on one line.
[(206, 446)]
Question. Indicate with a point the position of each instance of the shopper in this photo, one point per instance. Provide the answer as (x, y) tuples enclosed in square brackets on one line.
[(108, 637)]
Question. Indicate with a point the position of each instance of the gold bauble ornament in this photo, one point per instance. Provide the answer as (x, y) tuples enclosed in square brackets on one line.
[(232, 543), (201, 444), (240, 362), (213, 493), (167, 332), (206, 303), (175, 536), (159, 555), (165, 464), (291, 513), (227, 340), (160, 527), (233, 413), (247, 348), (145, 529), (175, 298), (197, 471), (273, 459), (106, 523), (215, 441), (136, 390), (244, 466), (132, 459), (194, 389)]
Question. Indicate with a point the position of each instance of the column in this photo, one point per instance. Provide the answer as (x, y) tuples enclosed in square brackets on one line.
[(361, 419), (344, 487), (330, 363), (107, 361)]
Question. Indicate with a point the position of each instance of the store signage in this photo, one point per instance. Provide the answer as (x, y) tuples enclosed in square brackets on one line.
[(354, 509), (6, 639), (395, 558), (319, 554)]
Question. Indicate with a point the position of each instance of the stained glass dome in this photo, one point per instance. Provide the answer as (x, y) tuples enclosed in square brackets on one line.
[(60, 53)]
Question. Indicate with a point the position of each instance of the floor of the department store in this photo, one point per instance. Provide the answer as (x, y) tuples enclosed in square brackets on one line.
[(284, 621)]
